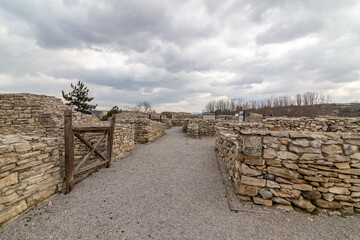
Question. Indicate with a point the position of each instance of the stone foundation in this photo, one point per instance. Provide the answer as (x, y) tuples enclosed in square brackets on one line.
[(287, 170)]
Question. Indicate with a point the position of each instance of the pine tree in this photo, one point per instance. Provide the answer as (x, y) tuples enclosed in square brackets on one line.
[(79, 98), (108, 115)]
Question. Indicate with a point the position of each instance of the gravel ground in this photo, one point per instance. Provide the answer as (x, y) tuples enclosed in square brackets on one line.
[(169, 189)]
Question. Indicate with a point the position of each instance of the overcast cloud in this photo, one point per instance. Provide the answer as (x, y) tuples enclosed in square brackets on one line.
[(181, 54)]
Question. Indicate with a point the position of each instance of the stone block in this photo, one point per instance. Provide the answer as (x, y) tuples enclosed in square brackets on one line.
[(272, 184), (247, 171), (22, 147), (253, 181), (287, 155), (303, 204), (280, 200), (255, 161), (12, 211), (325, 204), (247, 190), (269, 153), (302, 187), (337, 158), (266, 194), (262, 201), (6, 149), (331, 149), (285, 173), (343, 165), (252, 146), (301, 142), (286, 208), (9, 180)]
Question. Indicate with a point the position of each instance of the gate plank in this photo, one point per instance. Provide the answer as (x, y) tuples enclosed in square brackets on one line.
[(69, 151), (110, 141)]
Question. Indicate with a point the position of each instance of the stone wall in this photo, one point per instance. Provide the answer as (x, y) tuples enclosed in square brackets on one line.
[(313, 124), (32, 149), (29, 173), (179, 118), (293, 170), (227, 118), (146, 130), (131, 115), (195, 128)]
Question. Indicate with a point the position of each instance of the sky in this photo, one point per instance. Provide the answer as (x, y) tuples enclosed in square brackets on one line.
[(179, 55)]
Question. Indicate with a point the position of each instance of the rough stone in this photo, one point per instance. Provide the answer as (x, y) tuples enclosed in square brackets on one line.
[(329, 197), (331, 149), (325, 204), (287, 155), (272, 184), (285, 173), (245, 170), (281, 200), (12, 211), (283, 207), (247, 190), (269, 153), (253, 181), (302, 187), (9, 180), (303, 204), (262, 201), (266, 194)]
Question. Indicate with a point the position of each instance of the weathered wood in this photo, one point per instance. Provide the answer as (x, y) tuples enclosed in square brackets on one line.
[(69, 151), (88, 155), (87, 168), (110, 141), (89, 145), (91, 129)]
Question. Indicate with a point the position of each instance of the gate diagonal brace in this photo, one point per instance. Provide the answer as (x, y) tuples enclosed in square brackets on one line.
[(92, 150), (89, 145)]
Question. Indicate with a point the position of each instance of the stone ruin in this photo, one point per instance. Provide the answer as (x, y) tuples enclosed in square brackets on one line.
[(300, 163), (32, 148), (312, 164)]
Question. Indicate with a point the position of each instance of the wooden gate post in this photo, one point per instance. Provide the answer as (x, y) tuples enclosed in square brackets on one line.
[(69, 151), (110, 141)]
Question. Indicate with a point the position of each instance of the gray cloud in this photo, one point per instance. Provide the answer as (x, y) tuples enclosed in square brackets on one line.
[(181, 52)]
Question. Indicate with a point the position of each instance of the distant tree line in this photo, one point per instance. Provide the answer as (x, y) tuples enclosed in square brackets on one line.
[(226, 106), (142, 106)]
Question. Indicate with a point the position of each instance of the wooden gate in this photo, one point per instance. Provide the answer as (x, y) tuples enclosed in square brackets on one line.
[(70, 132)]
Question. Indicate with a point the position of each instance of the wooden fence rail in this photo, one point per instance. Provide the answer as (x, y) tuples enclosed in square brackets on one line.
[(70, 132)]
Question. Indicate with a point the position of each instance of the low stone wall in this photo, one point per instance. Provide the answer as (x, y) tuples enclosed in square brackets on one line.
[(167, 121), (195, 128), (32, 149), (179, 119), (227, 118), (146, 130), (292, 169), (313, 124), (131, 115)]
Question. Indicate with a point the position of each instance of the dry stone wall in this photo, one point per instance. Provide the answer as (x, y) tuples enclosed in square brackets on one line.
[(32, 149), (195, 128), (313, 124), (146, 130), (287, 170)]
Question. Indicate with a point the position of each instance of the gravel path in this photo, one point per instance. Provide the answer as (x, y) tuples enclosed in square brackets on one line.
[(169, 189)]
